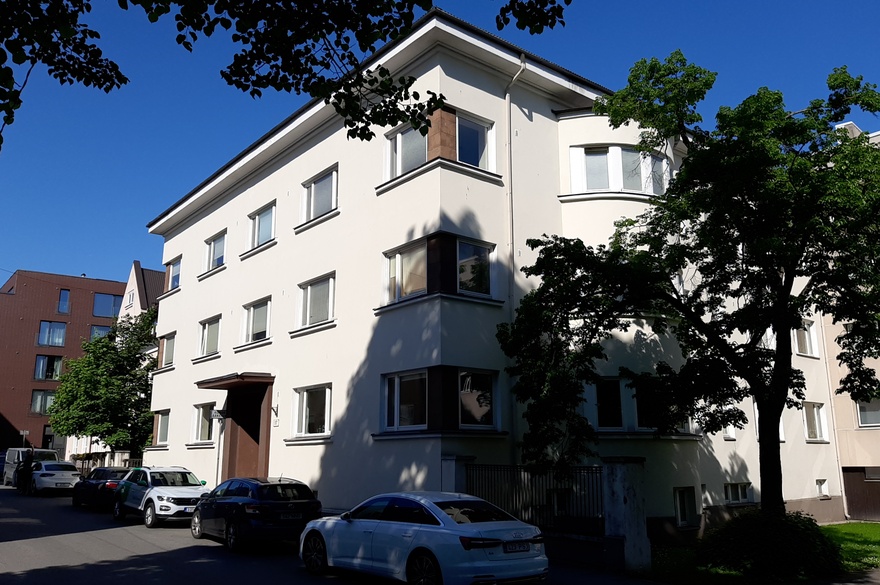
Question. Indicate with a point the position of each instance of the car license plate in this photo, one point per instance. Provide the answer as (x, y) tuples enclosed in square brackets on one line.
[(293, 516), (62, 485), (515, 547), (187, 510)]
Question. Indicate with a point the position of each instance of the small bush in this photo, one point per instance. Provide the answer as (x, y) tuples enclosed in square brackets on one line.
[(771, 547)]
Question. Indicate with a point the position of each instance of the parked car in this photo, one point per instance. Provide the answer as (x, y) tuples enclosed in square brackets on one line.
[(242, 510), (158, 493), (430, 538), (53, 476), (98, 487), (14, 456)]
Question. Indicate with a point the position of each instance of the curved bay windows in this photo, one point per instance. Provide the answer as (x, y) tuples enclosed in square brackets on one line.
[(52, 333), (320, 195), (313, 411), (210, 336), (257, 324), (406, 401), (317, 300), (617, 168), (216, 251), (262, 225)]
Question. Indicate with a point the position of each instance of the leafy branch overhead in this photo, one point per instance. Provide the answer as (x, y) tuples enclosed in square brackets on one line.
[(314, 48)]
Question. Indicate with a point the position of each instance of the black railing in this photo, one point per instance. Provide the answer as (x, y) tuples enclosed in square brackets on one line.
[(573, 504)]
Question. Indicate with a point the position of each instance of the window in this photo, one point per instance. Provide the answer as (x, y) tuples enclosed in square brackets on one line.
[(257, 321), (48, 367), (632, 169), (473, 142), (814, 421), (98, 331), (52, 333), (162, 427), (805, 339), (596, 161), (407, 272), (41, 400), (107, 305), (869, 413), (314, 411), (317, 301), (320, 195), (64, 301), (609, 403), (210, 336), (647, 409), (166, 350), (129, 298), (685, 506), (473, 268), (172, 275), (263, 226), (204, 430), (729, 433), (409, 149), (406, 401), (822, 488), (216, 251), (737, 493), (475, 399), (658, 175)]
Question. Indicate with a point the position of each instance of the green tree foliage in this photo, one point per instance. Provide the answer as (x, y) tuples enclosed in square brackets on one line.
[(773, 218), (318, 48), (105, 394)]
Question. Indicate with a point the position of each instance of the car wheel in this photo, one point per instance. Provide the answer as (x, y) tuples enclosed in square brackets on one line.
[(74, 500), (195, 525), (118, 510), (233, 536), (151, 519), (423, 569), (33, 491), (314, 554)]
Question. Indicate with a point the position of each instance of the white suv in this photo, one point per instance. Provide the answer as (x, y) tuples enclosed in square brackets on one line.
[(159, 493)]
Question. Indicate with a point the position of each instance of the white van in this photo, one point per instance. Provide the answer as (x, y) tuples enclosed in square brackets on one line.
[(14, 455)]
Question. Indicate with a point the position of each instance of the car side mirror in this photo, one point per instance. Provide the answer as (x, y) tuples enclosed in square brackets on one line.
[(205, 496), (204, 482), (346, 516), (142, 483)]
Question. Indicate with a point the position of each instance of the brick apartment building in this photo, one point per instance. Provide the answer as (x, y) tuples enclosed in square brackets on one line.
[(44, 319)]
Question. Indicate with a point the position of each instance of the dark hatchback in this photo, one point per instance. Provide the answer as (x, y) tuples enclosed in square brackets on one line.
[(98, 487), (244, 510)]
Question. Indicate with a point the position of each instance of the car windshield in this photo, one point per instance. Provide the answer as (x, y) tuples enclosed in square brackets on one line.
[(176, 478), (469, 511), (59, 467), (284, 492), (45, 456)]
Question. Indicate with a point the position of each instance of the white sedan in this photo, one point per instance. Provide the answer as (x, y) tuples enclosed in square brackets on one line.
[(54, 475), (427, 538)]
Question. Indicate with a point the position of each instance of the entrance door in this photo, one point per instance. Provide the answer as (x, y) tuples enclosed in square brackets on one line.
[(248, 409)]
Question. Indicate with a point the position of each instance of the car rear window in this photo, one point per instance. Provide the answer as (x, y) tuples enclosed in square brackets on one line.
[(285, 492), (117, 474), (45, 456), (59, 467), (470, 511)]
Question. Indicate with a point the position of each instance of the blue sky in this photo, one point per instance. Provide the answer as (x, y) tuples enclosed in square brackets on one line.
[(82, 172)]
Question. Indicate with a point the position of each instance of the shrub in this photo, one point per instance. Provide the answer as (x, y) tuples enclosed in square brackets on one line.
[(771, 547)]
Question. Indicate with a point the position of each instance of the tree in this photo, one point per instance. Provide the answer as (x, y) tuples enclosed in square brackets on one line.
[(105, 394), (319, 48), (772, 220)]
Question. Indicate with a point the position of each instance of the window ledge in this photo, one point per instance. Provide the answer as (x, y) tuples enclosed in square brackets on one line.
[(309, 440), (258, 249), (211, 272), (252, 345), (463, 297), (430, 434), (312, 328), (168, 293), (818, 441), (200, 445), (442, 163), (604, 196), (647, 435), (163, 369), (162, 447), (206, 358), (807, 355), (316, 221)]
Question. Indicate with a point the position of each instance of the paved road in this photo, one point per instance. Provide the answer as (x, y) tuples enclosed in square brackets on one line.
[(44, 539)]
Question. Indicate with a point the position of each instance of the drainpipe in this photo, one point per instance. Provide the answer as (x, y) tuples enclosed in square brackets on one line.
[(511, 253), (836, 437)]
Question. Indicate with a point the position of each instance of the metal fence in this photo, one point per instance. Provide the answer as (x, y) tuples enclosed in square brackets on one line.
[(570, 505)]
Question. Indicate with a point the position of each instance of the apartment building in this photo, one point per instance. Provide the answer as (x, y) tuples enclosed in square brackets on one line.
[(44, 319), (330, 305)]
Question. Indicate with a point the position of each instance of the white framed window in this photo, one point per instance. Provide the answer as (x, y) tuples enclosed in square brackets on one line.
[(318, 300), (204, 423), (596, 168), (216, 251), (320, 195), (257, 320), (167, 350), (314, 411), (474, 268), (162, 418), (406, 401), (407, 272), (822, 488), (805, 339), (737, 493), (596, 164), (685, 506), (210, 336), (632, 169), (408, 149), (758, 426), (262, 225), (869, 413), (815, 424), (172, 275), (473, 141), (129, 299), (729, 433), (658, 174), (476, 399)]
